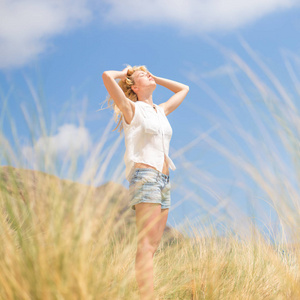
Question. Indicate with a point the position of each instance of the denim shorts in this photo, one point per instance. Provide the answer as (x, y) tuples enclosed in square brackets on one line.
[(150, 186)]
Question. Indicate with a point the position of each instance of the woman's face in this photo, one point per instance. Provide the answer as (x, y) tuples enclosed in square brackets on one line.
[(143, 79)]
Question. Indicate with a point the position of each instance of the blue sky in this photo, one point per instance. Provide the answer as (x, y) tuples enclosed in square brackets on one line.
[(56, 52)]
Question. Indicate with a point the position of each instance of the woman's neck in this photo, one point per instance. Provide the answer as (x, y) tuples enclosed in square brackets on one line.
[(146, 98)]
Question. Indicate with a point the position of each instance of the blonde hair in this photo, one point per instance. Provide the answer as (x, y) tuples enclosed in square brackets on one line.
[(129, 93)]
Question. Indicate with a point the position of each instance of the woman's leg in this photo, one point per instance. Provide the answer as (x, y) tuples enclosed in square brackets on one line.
[(162, 225), (150, 223)]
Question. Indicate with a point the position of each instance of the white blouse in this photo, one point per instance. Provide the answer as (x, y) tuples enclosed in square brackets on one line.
[(147, 138)]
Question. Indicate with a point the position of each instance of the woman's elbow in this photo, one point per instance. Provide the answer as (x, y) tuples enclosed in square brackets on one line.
[(187, 88), (105, 74)]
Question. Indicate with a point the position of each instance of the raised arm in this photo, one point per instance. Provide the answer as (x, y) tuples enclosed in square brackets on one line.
[(178, 88), (114, 90)]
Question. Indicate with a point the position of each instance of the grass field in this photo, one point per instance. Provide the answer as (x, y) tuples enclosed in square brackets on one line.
[(59, 241)]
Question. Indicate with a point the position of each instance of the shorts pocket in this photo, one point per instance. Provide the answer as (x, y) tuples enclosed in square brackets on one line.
[(143, 178), (149, 178)]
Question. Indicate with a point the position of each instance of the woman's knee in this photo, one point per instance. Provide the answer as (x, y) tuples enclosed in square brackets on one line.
[(147, 245)]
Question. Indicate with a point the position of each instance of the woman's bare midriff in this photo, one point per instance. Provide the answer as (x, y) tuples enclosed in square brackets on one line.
[(165, 169)]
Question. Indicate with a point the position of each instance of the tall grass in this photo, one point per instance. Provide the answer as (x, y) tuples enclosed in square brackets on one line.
[(66, 240)]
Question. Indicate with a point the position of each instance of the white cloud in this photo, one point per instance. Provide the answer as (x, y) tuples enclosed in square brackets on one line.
[(69, 141), (193, 15), (27, 25)]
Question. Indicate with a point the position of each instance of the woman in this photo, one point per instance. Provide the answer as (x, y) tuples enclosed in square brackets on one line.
[(147, 137)]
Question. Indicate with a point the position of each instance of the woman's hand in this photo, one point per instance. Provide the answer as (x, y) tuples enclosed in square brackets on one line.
[(154, 77), (124, 73)]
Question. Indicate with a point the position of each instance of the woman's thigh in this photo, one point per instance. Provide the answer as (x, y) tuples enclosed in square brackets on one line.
[(148, 218)]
